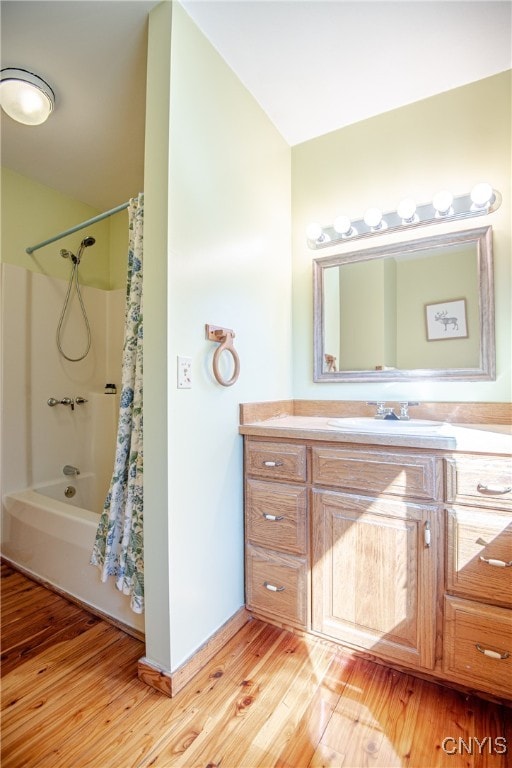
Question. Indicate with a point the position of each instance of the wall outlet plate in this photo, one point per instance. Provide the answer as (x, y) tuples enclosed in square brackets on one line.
[(184, 372)]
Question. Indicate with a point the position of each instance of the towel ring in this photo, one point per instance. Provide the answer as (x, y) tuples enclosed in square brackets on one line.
[(225, 338)]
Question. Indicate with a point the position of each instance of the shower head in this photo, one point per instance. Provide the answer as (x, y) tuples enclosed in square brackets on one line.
[(86, 242)]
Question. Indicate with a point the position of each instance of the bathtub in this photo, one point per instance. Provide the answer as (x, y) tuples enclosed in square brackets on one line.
[(51, 537)]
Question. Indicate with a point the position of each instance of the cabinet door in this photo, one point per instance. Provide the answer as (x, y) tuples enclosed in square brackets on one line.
[(374, 575)]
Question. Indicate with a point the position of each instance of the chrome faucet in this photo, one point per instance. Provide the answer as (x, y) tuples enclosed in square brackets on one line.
[(70, 471), (384, 412), (404, 410)]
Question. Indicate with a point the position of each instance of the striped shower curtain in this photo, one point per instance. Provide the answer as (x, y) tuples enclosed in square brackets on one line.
[(118, 548)]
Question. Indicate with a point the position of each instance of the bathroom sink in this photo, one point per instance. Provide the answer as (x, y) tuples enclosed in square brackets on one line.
[(386, 426)]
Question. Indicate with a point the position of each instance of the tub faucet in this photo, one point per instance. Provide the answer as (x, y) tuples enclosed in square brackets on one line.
[(71, 471), (68, 401)]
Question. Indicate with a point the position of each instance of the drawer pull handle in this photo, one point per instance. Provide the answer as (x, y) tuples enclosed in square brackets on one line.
[(272, 463), (492, 654), (272, 587), (496, 563), (274, 518), (494, 490)]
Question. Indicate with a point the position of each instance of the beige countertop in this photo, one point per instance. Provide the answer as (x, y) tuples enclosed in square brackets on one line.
[(470, 438)]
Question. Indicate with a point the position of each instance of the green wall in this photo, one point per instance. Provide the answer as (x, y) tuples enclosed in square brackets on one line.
[(453, 140), (32, 213)]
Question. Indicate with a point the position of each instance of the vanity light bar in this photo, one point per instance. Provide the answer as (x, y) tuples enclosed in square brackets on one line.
[(482, 199)]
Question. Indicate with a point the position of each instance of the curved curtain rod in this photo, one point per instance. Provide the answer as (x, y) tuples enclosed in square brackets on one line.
[(70, 231)]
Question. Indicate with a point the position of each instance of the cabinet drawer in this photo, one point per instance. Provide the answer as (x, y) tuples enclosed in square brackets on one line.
[(478, 645), (276, 516), (479, 554), (277, 585), (279, 461), (371, 472), (482, 480)]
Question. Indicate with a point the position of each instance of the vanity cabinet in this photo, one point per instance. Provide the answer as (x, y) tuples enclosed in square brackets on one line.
[(277, 532), (477, 616), (375, 556), (401, 553)]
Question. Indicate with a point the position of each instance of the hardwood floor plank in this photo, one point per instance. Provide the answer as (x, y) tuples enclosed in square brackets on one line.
[(268, 699), (302, 745), (69, 703), (43, 672), (145, 729)]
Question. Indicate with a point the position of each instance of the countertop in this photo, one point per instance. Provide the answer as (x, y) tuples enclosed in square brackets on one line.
[(470, 438)]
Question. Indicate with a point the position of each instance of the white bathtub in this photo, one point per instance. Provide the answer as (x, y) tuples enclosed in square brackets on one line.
[(51, 537)]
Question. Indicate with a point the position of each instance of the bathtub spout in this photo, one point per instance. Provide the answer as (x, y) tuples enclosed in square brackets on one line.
[(70, 470)]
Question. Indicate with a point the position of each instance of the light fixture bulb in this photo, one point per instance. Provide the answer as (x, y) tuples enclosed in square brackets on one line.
[(482, 195), (406, 209), (343, 226), (442, 202), (314, 231), (25, 97), (373, 218)]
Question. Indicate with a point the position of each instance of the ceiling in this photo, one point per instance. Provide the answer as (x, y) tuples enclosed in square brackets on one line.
[(314, 66)]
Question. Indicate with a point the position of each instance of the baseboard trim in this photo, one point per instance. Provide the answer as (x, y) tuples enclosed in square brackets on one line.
[(169, 683)]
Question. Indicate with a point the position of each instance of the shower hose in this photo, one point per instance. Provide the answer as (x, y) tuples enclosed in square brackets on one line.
[(73, 280)]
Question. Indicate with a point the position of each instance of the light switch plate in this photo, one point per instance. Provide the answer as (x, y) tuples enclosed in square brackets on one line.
[(184, 372)]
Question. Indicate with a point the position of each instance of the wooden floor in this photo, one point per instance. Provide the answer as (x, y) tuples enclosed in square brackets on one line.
[(71, 699)]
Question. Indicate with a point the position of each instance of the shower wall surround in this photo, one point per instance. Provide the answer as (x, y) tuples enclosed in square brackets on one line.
[(37, 440)]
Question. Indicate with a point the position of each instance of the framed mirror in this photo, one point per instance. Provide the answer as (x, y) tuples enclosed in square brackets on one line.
[(423, 309)]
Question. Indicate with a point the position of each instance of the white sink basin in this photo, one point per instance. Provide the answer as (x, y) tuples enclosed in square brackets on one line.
[(386, 426)]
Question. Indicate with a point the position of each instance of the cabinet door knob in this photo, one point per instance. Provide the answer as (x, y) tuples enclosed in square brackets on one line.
[(496, 563), (272, 463), (427, 534), (274, 518), (272, 587), (492, 654), (494, 490)]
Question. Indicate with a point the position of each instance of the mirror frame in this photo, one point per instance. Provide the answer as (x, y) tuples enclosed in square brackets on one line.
[(482, 238)]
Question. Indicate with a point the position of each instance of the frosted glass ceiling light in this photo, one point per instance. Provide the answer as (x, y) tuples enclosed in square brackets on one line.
[(482, 195), (25, 97), (442, 202)]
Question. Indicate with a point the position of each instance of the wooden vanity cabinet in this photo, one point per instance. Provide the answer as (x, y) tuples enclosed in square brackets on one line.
[(277, 532), (375, 556), (477, 612), (400, 553)]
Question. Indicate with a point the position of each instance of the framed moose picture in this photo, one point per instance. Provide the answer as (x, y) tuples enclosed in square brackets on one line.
[(446, 320)]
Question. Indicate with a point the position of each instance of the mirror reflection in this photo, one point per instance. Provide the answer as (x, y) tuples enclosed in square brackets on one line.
[(414, 310)]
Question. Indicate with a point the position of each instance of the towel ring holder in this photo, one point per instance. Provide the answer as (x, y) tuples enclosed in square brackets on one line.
[(225, 338)]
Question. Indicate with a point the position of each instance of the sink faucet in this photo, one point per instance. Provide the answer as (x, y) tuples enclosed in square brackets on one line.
[(404, 410), (384, 412)]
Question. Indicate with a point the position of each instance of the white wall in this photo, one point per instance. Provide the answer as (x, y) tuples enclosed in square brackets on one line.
[(228, 263)]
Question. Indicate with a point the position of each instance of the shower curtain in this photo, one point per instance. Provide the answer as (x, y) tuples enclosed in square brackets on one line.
[(118, 548)]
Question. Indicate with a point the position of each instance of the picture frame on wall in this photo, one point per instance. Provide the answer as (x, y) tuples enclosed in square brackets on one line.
[(446, 320)]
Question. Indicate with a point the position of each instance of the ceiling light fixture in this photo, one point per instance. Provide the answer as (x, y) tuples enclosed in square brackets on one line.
[(25, 97), (444, 207)]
